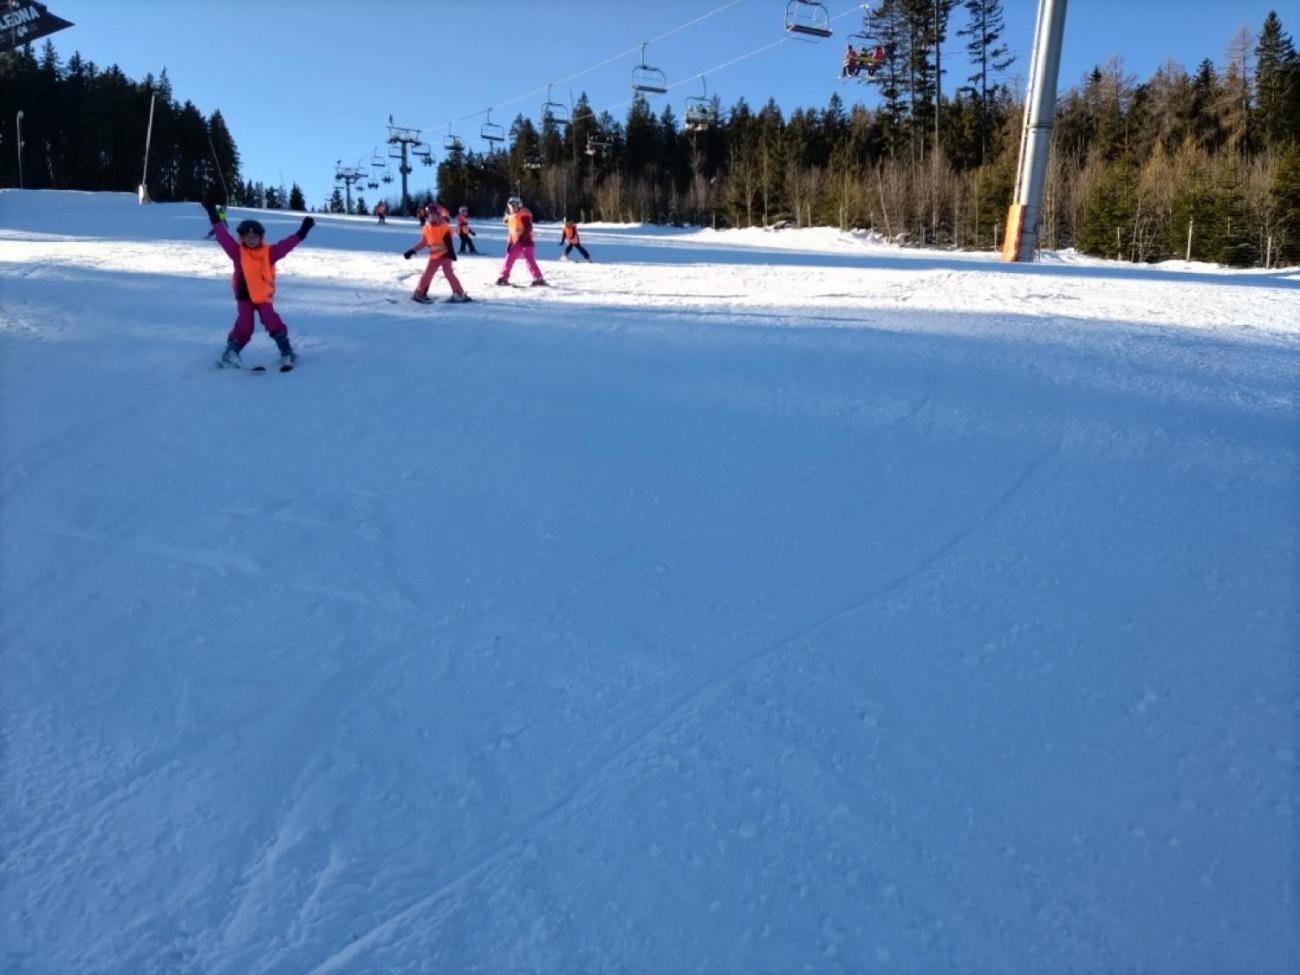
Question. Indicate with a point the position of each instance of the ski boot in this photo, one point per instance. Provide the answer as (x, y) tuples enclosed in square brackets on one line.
[(460, 297), (422, 299), (230, 358), (288, 358), (539, 283), (503, 281)]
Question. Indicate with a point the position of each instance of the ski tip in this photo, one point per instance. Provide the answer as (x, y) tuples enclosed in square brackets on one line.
[(258, 369)]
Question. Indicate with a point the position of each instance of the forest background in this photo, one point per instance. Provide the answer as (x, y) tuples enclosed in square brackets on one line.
[(1203, 165)]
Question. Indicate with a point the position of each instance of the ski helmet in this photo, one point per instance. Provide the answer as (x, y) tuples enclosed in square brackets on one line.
[(250, 226), (514, 202), (463, 210)]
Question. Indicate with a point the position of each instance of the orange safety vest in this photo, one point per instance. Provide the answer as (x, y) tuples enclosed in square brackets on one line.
[(519, 225), (259, 272), (437, 236)]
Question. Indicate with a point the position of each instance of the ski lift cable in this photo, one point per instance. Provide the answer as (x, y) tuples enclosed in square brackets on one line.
[(736, 60), (601, 64)]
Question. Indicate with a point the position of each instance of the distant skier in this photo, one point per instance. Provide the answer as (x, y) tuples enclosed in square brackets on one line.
[(519, 242), (569, 239), (465, 231), (221, 215), (381, 211), (254, 284), (436, 236)]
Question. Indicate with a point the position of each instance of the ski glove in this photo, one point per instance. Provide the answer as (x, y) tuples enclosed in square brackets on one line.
[(409, 254), (304, 227)]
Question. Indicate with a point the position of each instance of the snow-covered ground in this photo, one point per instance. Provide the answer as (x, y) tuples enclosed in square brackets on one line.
[(748, 602)]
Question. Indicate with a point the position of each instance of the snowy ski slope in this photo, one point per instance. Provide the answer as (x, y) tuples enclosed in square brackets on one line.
[(747, 602)]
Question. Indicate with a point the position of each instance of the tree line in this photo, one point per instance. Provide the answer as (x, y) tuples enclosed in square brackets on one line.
[(1203, 165), (84, 128)]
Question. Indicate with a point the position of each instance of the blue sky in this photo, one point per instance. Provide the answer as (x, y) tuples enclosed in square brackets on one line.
[(303, 83)]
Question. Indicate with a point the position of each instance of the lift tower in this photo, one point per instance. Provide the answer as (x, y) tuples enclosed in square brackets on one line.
[(347, 175), (1021, 240), (403, 137)]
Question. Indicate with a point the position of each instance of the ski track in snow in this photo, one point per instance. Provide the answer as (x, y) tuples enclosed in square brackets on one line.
[(743, 601)]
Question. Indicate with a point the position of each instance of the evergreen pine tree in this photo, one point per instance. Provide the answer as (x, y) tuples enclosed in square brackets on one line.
[(296, 201), (1105, 221), (1286, 197), (1277, 84), (989, 56)]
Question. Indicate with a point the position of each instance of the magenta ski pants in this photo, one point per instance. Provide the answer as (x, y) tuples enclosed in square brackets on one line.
[(243, 330), (512, 255)]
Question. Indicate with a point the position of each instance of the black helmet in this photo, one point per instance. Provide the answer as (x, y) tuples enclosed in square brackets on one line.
[(250, 226)]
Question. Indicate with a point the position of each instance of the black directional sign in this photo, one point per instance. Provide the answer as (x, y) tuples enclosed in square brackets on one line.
[(23, 21)]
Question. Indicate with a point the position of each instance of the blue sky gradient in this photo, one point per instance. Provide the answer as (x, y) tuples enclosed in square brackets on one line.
[(302, 84)]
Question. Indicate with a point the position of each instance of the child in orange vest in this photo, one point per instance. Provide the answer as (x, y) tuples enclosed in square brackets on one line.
[(519, 242), (465, 231), (569, 239), (254, 284), (436, 236)]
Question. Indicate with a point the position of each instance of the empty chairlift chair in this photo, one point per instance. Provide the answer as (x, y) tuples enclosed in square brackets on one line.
[(557, 112), (490, 132), (807, 20), (648, 80)]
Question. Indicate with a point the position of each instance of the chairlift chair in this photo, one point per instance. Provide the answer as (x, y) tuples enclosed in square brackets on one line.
[(452, 142), (532, 160), (558, 111), (647, 80), (596, 142), (421, 150), (699, 110), (490, 132), (807, 20), (372, 183)]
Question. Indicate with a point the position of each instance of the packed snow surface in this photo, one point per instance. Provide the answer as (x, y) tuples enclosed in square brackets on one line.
[(745, 602)]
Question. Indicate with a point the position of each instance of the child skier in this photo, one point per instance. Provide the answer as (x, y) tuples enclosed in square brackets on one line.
[(465, 231), (519, 241), (569, 239), (436, 236), (254, 284), (381, 211)]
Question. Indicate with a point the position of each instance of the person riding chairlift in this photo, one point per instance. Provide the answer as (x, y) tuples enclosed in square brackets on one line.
[(849, 69), (872, 61)]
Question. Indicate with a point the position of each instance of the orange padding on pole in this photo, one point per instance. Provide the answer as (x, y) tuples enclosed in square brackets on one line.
[(1015, 223)]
